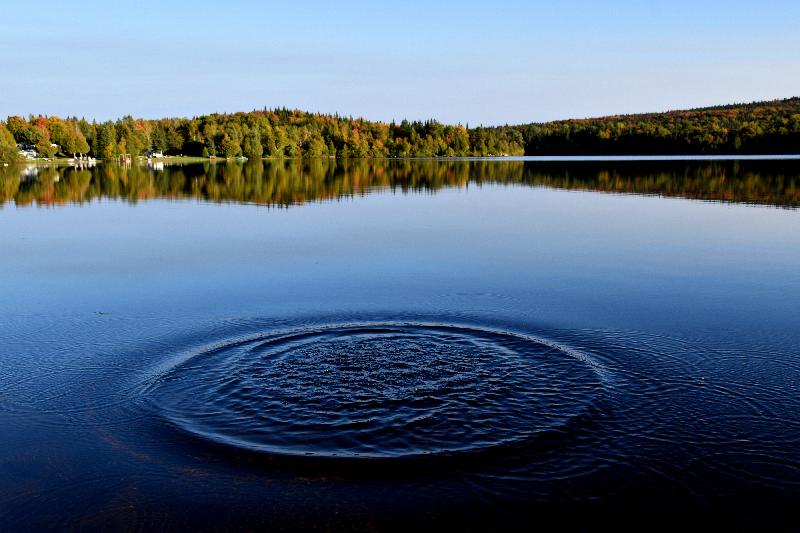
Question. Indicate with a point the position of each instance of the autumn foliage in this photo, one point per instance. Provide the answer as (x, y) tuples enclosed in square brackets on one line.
[(765, 127)]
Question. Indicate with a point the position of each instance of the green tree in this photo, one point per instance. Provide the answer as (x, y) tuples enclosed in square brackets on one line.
[(46, 148), (251, 147), (8, 146), (230, 147), (105, 146)]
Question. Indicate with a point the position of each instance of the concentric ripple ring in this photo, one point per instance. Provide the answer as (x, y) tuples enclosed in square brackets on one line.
[(375, 390)]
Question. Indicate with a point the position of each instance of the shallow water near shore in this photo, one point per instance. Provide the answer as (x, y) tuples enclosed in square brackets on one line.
[(391, 343)]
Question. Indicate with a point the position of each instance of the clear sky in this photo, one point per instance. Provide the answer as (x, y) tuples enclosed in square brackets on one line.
[(472, 62)]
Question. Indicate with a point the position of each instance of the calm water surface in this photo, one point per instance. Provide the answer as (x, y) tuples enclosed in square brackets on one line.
[(385, 344)]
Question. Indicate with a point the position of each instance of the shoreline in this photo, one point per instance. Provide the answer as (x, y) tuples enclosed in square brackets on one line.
[(531, 158)]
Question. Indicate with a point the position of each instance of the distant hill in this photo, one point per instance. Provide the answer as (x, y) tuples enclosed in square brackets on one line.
[(754, 128)]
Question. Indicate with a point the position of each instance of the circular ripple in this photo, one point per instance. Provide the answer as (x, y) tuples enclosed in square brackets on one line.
[(376, 390)]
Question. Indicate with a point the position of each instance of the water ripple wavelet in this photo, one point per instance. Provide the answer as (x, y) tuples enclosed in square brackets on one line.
[(376, 390)]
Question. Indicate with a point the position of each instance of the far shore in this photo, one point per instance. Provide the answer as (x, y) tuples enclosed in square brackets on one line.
[(180, 159)]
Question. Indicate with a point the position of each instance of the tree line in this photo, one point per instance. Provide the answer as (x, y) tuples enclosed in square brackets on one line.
[(756, 128), (279, 133), (761, 127)]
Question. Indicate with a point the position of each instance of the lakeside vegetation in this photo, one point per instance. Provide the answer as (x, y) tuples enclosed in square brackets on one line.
[(283, 183), (757, 128)]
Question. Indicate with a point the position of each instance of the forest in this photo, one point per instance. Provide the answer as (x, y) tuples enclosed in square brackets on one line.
[(756, 128)]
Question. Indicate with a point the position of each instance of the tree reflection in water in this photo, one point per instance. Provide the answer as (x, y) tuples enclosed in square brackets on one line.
[(290, 182)]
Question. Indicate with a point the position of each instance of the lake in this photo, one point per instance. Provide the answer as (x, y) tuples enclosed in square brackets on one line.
[(399, 343)]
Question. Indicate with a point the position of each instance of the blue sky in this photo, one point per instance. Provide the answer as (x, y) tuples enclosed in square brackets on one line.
[(469, 62)]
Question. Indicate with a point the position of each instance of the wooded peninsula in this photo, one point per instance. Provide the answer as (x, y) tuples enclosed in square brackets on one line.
[(756, 128)]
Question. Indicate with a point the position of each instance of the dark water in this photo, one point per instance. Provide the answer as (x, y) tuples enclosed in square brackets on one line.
[(383, 345)]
